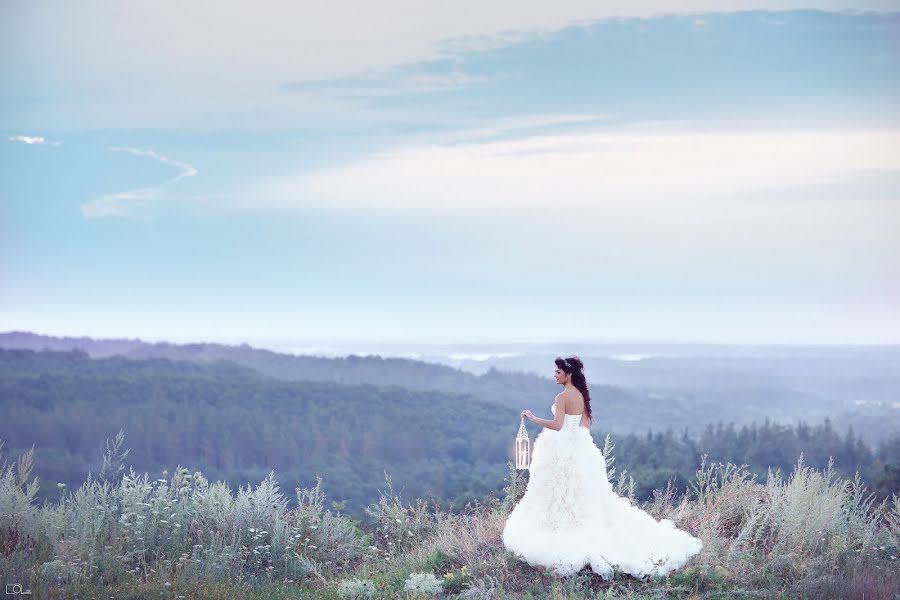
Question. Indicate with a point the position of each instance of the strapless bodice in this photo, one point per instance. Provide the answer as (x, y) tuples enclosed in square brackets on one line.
[(569, 421)]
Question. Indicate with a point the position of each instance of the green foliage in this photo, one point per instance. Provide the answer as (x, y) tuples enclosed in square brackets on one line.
[(657, 457), (813, 534), (303, 430), (349, 434), (399, 527), (181, 527), (356, 588), (803, 536), (423, 585)]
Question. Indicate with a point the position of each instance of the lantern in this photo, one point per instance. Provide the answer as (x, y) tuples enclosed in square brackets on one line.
[(523, 447)]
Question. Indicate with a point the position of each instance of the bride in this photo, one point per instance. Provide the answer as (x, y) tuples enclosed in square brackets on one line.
[(570, 516)]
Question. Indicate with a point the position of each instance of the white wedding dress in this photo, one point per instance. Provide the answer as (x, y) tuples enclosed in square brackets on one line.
[(570, 516)]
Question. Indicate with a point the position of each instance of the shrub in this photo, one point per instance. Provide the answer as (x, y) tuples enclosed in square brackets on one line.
[(811, 535), (400, 527), (423, 583), (356, 588)]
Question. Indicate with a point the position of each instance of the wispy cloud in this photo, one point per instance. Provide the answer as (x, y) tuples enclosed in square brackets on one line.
[(186, 169), (121, 204), (33, 140), (519, 126), (133, 203), (286, 42), (617, 168), (430, 77), (773, 22)]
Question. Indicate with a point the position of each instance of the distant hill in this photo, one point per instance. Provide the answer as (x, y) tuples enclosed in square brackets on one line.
[(655, 393), (510, 389), (629, 412), (236, 424)]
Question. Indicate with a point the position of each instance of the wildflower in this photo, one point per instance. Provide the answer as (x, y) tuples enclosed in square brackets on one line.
[(355, 588), (425, 583)]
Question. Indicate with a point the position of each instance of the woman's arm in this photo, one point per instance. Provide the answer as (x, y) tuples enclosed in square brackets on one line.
[(555, 424)]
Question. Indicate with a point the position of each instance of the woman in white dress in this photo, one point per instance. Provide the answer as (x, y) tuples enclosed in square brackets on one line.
[(570, 516)]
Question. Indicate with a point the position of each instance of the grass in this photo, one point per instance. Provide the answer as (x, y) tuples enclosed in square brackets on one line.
[(808, 535)]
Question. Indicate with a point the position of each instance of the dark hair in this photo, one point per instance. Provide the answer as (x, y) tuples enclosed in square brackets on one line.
[(574, 367)]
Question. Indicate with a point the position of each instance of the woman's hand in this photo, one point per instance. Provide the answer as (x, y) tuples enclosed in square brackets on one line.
[(528, 415)]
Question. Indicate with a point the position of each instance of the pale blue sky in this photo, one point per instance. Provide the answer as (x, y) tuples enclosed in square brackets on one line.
[(425, 172)]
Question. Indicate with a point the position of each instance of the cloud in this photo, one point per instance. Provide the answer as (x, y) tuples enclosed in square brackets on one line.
[(436, 76), (127, 78), (186, 169), (519, 126), (623, 169), (121, 204), (773, 22), (33, 140), (134, 203)]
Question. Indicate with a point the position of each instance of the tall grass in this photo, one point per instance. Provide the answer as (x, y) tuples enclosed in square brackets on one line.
[(175, 528), (811, 534)]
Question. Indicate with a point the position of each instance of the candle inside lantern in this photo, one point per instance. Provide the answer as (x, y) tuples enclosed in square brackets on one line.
[(523, 447)]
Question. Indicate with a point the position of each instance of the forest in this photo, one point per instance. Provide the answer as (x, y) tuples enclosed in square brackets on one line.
[(236, 424), (853, 386)]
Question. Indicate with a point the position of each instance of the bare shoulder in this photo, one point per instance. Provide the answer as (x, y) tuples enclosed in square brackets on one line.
[(574, 399), (570, 395)]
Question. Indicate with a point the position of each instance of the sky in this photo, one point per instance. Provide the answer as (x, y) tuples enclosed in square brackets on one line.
[(404, 170)]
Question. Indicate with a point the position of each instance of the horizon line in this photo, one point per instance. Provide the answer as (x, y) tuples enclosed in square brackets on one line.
[(444, 341)]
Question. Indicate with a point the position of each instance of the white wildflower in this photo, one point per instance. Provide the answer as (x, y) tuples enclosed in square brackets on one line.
[(356, 588), (423, 583)]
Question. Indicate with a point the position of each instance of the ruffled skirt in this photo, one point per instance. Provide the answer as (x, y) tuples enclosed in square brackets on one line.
[(570, 516)]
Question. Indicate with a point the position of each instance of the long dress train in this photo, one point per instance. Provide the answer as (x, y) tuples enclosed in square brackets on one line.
[(570, 515)]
